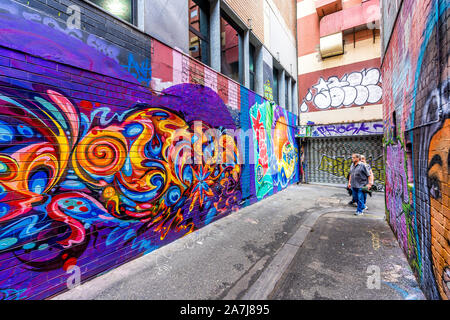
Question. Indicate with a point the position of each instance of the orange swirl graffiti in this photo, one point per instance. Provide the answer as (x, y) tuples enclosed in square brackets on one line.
[(101, 154)]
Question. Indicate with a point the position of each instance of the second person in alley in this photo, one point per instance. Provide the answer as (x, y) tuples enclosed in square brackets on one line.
[(359, 178)]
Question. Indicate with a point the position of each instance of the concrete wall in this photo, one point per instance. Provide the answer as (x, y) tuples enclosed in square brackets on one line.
[(417, 132), (93, 170)]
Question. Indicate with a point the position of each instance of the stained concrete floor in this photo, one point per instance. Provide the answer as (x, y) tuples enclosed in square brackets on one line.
[(302, 243), (347, 258)]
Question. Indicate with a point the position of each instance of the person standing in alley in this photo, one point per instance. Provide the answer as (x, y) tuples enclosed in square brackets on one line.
[(371, 179), (354, 201), (359, 178)]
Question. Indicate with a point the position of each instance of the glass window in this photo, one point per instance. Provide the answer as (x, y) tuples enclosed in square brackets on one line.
[(275, 85), (123, 9), (252, 67), (199, 31), (230, 53)]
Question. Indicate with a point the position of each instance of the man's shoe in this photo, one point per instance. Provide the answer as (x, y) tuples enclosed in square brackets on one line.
[(358, 213), (366, 208)]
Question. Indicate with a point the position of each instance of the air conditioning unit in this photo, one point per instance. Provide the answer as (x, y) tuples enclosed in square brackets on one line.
[(332, 45)]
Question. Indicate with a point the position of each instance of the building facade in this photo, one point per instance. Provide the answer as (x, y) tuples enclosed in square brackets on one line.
[(415, 64), (340, 88), (128, 124)]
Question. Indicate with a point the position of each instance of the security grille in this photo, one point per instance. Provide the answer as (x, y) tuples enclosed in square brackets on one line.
[(329, 159)]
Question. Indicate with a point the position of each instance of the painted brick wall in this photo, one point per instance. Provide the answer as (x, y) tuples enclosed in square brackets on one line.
[(417, 139), (110, 150)]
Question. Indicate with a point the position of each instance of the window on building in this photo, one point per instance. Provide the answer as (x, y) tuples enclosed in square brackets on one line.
[(252, 67), (199, 30), (230, 48), (275, 85), (123, 9)]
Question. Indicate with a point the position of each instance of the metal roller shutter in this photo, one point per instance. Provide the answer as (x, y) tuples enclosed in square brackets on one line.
[(329, 159)]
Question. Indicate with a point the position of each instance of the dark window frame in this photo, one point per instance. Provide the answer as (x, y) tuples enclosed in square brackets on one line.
[(276, 85), (134, 16), (204, 9), (240, 34), (252, 62)]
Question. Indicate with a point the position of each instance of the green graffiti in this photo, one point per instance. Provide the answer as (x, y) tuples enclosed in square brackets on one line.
[(340, 167), (261, 119), (400, 213)]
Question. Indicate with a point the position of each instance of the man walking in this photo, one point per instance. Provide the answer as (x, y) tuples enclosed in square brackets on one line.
[(354, 201), (359, 177), (371, 178)]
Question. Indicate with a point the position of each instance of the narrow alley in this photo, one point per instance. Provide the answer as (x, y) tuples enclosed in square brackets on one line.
[(261, 152), (302, 243)]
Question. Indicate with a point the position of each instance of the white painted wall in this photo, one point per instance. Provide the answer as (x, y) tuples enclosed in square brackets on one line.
[(278, 38), (344, 115)]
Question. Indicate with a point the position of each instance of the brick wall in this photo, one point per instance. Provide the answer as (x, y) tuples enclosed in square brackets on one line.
[(111, 149), (250, 9), (288, 10), (254, 9), (417, 133)]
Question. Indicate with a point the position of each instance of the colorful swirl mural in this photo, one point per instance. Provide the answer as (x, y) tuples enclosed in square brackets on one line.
[(97, 169), (65, 179)]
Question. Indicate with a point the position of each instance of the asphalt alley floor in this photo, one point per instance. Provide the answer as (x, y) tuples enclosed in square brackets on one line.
[(302, 243), (346, 258)]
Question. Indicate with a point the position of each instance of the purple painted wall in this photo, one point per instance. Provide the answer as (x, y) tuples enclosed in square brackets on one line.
[(91, 171)]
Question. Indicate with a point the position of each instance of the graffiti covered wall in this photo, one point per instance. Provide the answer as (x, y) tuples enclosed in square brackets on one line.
[(344, 129), (417, 131), (103, 160), (276, 155), (354, 85)]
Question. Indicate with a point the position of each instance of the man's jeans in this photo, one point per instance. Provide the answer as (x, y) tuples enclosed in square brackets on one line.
[(355, 197), (359, 196)]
